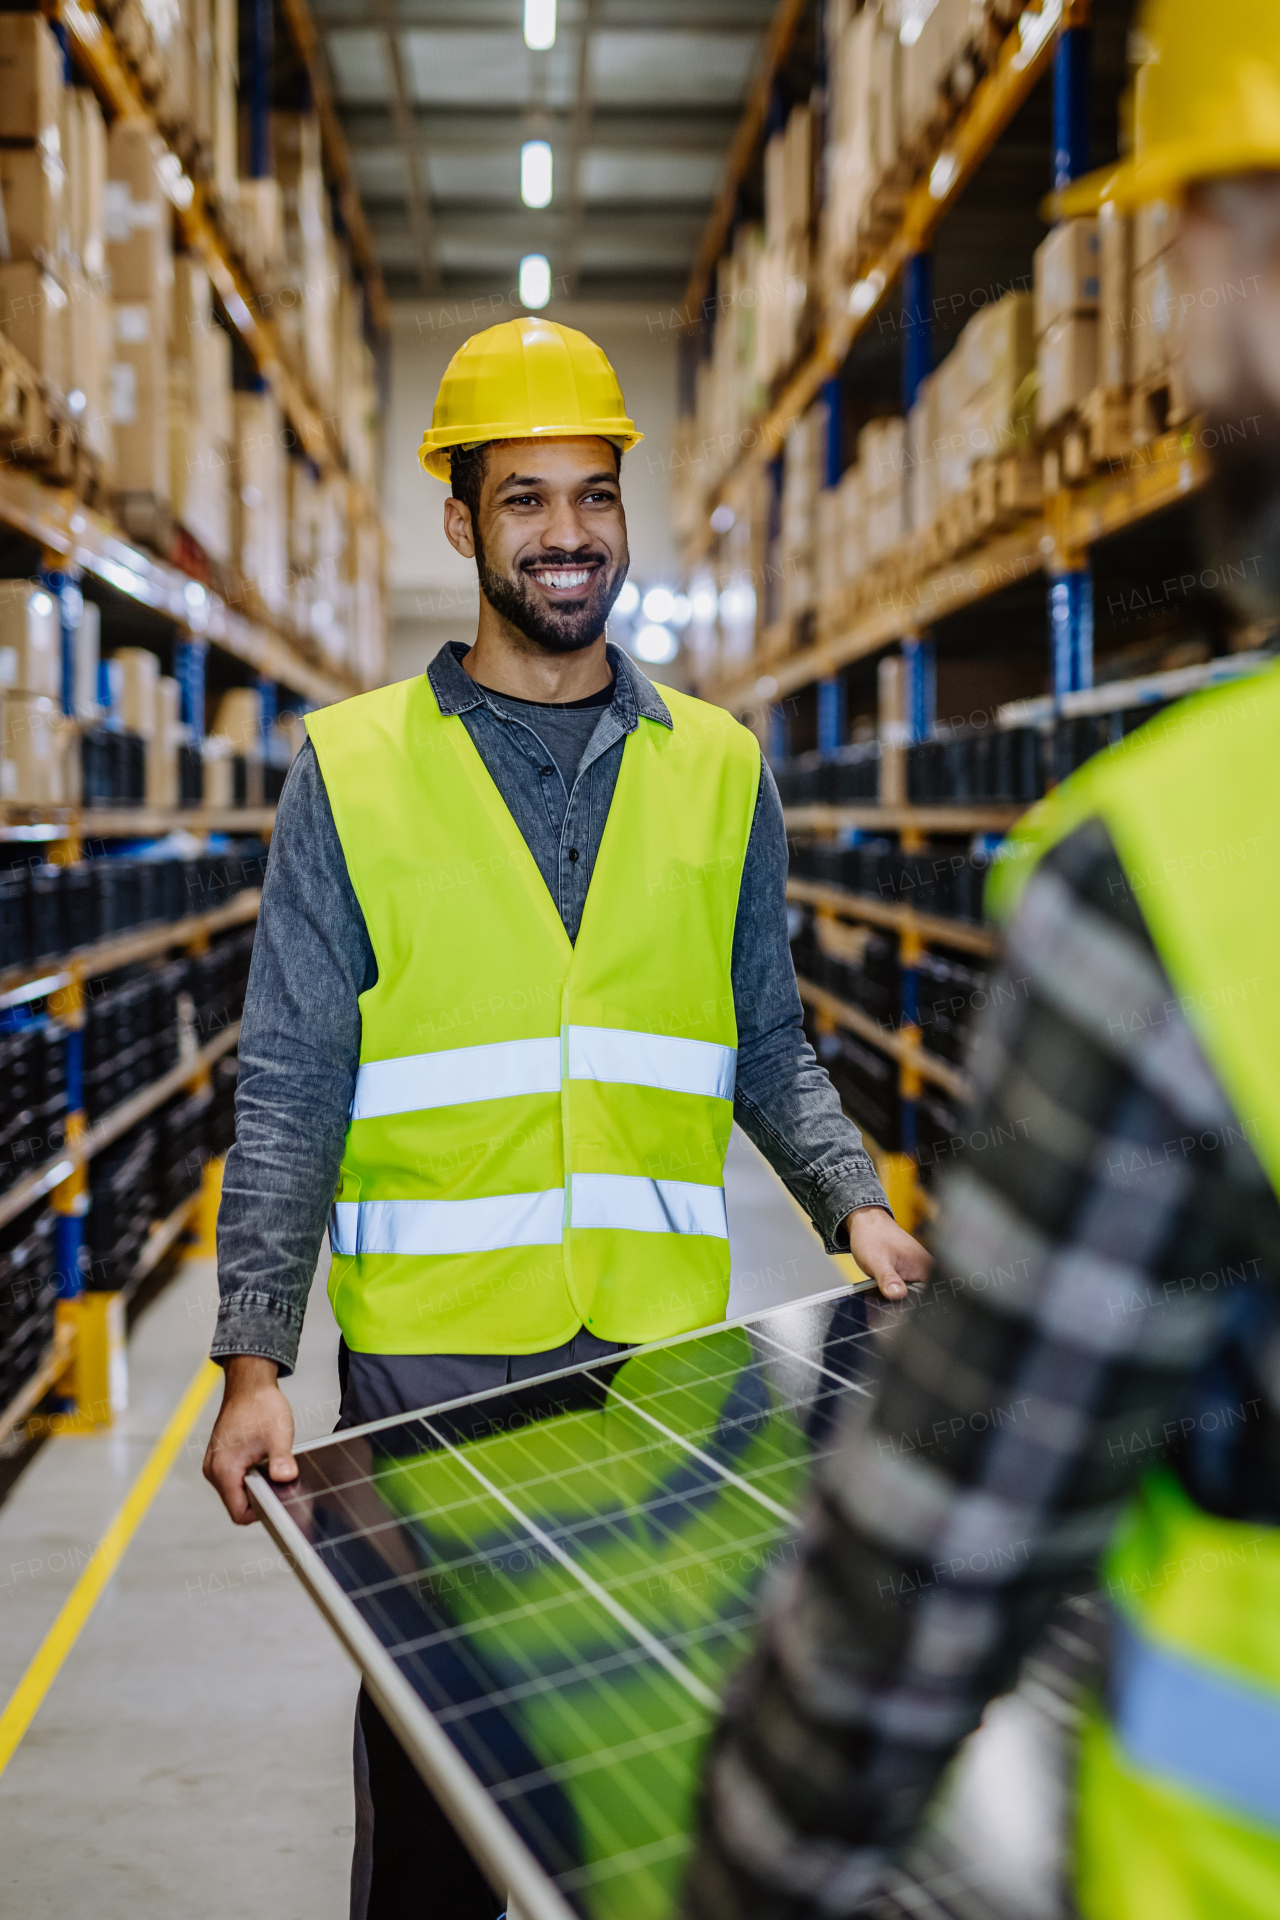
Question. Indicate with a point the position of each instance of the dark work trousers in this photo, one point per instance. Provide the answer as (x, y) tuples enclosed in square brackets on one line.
[(408, 1862)]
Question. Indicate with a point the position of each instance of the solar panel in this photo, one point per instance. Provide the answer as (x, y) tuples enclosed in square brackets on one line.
[(547, 1586)]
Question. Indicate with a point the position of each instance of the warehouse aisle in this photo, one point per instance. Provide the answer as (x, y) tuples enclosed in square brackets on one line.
[(194, 1748), (192, 1756)]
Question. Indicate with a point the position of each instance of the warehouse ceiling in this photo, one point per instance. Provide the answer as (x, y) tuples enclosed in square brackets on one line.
[(638, 99)]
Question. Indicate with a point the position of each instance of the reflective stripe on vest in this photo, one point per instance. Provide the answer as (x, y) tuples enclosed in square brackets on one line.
[(508, 1068), (627, 1203), (1175, 1717), (1179, 1801)]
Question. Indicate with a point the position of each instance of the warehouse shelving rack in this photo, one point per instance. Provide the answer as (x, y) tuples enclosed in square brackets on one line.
[(73, 536), (901, 600), (80, 1354)]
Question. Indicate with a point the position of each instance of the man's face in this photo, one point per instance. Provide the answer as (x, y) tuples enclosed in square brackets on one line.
[(1229, 292), (551, 543)]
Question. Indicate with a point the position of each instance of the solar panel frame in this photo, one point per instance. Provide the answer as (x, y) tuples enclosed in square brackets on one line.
[(492, 1839)]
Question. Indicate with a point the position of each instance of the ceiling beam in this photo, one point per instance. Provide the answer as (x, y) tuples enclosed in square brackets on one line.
[(682, 23), (407, 138), (445, 131), (578, 128), (658, 229)]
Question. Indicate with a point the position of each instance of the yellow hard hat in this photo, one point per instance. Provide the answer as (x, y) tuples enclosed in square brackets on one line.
[(525, 379), (1206, 101)]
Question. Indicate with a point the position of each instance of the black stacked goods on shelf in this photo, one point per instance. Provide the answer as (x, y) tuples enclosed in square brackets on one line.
[(122, 1206), (866, 1081), (113, 768), (190, 776), (48, 910), (952, 992), (946, 880), (850, 775), (33, 1095), (185, 1144), (44, 931), (131, 1030), (27, 1297)]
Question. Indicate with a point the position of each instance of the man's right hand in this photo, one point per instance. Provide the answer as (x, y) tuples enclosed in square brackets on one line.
[(255, 1423)]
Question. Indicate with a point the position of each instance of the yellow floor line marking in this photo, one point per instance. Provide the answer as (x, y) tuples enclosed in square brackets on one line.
[(106, 1557)]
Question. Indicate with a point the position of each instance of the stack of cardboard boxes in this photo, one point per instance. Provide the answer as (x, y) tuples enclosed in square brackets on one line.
[(139, 223), (784, 269), (803, 475), (864, 132), (38, 764), (1067, 289), (201, 426), (52, 292), (975, 406), (1155, 323)]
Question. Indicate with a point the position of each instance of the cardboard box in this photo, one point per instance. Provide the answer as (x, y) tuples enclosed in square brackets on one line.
[(139, 681), (258, 495), (30, 639), (1156, 321), (163, 741), (138, 214), (88, 653), (1067, 360), (30, 80), (33, 316), (239, 718), (87, 170), (1155, 228), (89, 359), (999, 344), (39, 752), (139, 391), (37, 201), (1115, 301), (1067, 272)]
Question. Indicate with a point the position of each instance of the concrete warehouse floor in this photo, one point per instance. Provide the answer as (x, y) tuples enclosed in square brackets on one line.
[(192, 1757)]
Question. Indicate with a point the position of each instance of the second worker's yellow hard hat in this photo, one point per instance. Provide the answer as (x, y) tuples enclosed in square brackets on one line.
[(1206, 102), (527, 379)]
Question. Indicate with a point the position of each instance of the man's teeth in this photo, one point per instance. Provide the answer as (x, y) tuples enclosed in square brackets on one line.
[(562, 582)]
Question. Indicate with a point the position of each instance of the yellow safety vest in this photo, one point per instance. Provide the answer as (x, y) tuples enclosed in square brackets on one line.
[(1179, 1784), (538, 1132)]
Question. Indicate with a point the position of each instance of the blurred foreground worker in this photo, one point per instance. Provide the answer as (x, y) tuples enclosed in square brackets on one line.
[(521, 959), (1087, 1397)]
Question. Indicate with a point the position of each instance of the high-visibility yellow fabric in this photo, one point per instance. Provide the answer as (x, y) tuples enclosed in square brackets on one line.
[(1179, 1786), (1167, 1840), (472, 955)]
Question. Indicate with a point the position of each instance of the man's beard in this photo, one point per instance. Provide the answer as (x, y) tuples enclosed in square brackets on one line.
[(557, 629), (1240, 509)]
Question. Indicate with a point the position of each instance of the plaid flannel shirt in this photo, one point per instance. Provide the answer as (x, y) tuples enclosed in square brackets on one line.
[(1104, 1299)]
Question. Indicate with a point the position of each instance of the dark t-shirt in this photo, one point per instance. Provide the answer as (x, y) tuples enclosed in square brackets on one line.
[(564, 728)]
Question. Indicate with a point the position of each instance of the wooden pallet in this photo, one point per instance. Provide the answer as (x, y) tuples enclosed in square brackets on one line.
[(1159, 402)]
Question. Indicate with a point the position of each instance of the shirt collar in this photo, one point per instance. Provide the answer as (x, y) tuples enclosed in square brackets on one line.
[(634, 696)]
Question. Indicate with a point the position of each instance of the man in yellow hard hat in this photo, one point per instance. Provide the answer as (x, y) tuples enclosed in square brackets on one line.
[(1088, 1396), (521, 959)]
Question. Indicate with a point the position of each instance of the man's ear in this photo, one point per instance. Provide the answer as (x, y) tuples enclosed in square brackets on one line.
[(457, 528)]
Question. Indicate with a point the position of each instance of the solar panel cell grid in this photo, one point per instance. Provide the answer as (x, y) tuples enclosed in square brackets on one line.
[(566, 1573)]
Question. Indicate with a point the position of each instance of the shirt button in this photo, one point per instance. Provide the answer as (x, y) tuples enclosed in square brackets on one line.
[(546, 769), (573, 853)]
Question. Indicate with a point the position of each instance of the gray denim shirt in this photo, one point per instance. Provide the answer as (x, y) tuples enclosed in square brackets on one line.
[(312, 959)]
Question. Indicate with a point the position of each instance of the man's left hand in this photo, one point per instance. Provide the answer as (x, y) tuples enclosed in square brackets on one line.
[(885, 1253)]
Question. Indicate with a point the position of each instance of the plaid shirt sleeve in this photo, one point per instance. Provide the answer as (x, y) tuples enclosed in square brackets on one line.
[(1095, 1249)]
